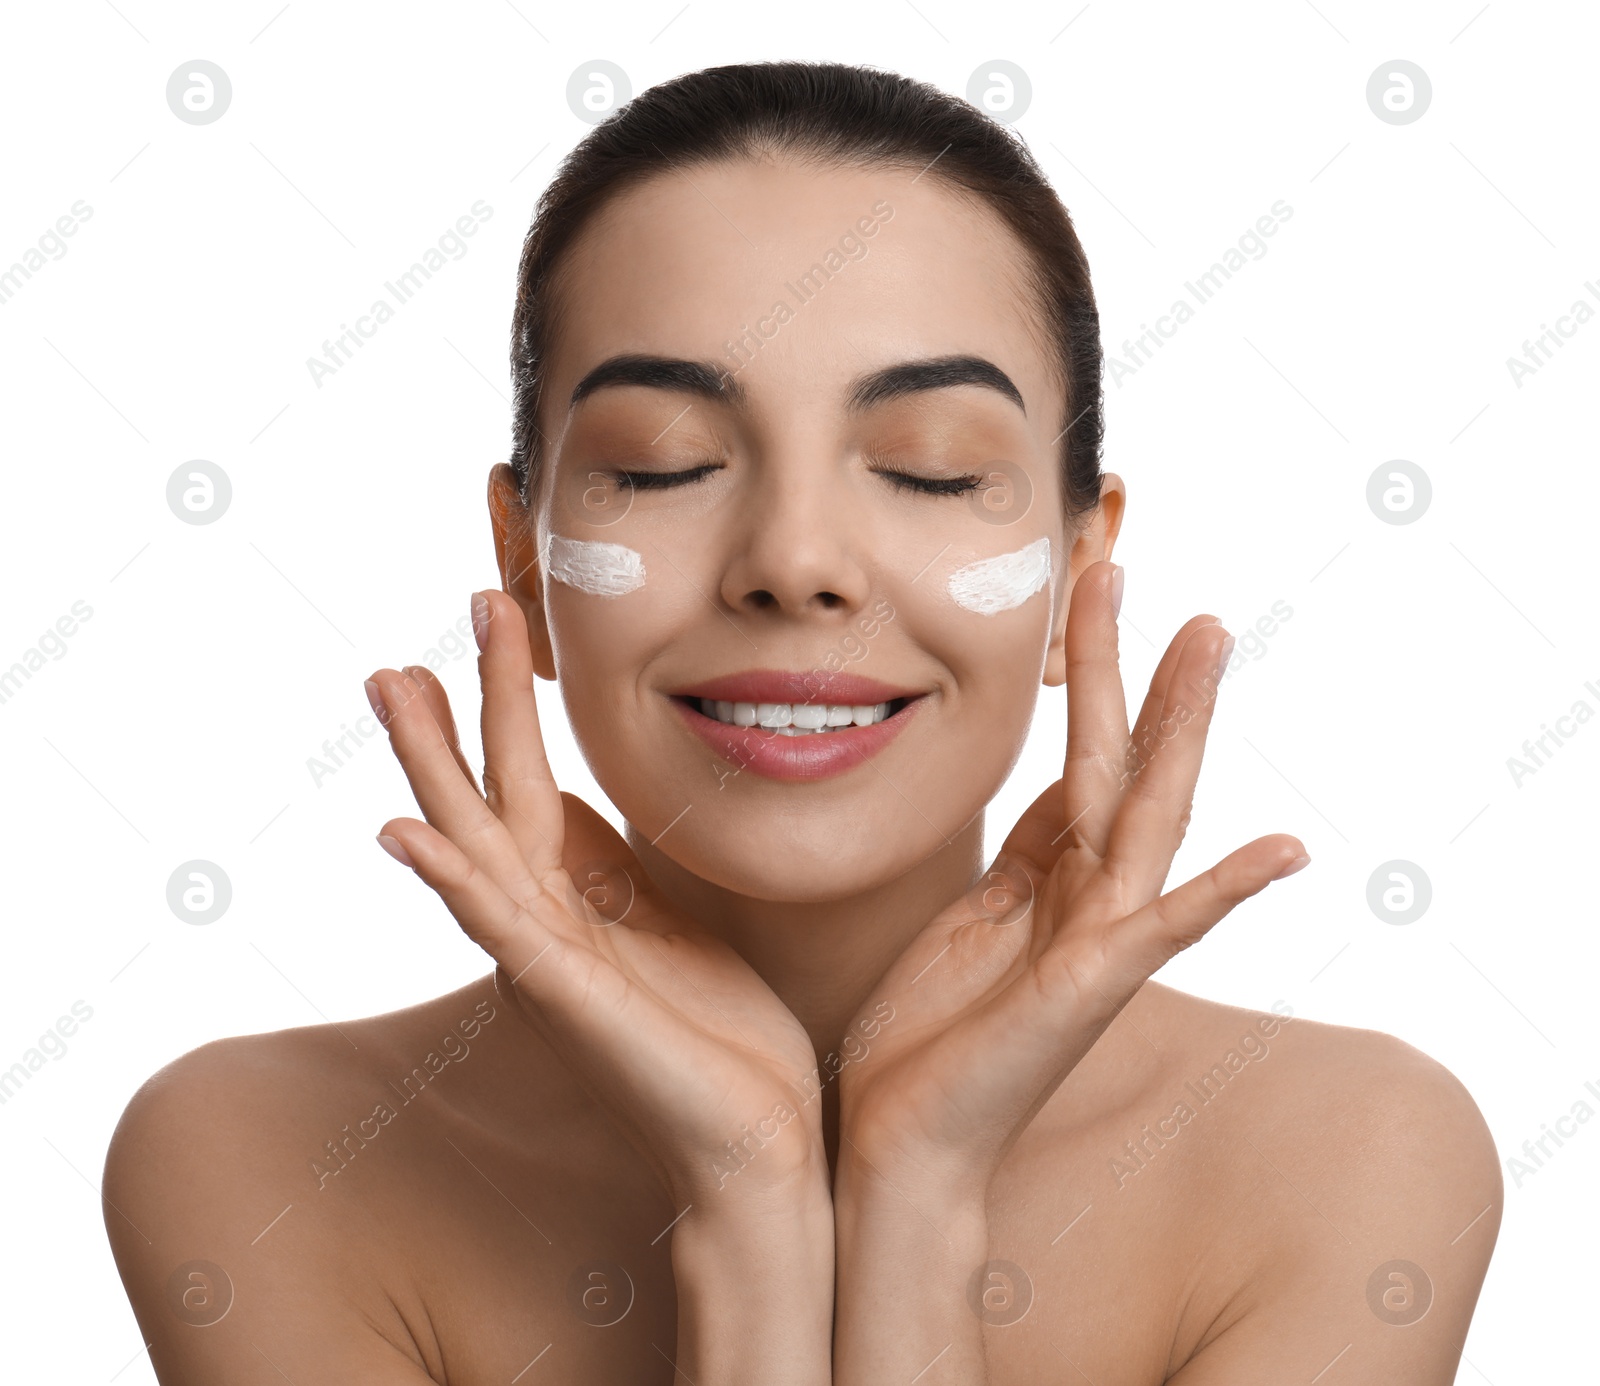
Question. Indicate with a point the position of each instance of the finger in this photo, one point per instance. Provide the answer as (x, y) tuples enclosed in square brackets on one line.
[(1083, 978), (582, 1004), (447, 800), (1144, 739), (516, 773), (1153, 935), (537, 957), (589, 838), (606, 873), (1040, 836), (1041, 833), (438, 702), (1154, 812), (1097, 712)]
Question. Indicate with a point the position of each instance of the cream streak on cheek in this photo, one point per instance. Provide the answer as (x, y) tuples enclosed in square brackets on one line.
[(602, 570), (992, 585)]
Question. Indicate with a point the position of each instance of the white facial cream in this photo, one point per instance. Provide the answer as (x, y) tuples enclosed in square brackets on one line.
[(602, 570), (998, 584)]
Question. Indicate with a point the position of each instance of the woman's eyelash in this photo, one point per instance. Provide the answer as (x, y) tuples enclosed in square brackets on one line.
[(931, 485), (662, 481), (905, 481)]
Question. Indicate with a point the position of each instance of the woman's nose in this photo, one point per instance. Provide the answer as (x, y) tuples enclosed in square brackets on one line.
[(794, 549)]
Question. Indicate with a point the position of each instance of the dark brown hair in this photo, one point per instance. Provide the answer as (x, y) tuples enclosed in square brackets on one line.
[(833, 112)]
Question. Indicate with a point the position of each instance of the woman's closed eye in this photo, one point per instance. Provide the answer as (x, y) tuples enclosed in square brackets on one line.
[(931, 485), (662, 481), (901, 480)]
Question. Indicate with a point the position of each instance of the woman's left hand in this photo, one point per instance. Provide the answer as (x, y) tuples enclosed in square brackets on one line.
[(1003, 994)]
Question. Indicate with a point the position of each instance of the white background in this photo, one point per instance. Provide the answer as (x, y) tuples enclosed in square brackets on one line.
[(1376, 723)]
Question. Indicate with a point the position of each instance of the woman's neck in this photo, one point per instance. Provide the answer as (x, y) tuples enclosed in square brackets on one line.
[(822, 959)]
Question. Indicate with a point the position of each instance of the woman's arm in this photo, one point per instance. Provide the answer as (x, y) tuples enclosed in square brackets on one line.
[(664, 1025), (755, 1292), (912, 1279), (1372, 1236), (1002, 996)]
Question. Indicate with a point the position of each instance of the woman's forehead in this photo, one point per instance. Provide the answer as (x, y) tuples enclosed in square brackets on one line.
[(798, 276)]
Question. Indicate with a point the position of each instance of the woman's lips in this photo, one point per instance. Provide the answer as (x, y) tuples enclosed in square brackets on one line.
[(779, 757), (791, 686)]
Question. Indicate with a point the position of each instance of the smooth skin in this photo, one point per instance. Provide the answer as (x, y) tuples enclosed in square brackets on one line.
[(556, 1199)]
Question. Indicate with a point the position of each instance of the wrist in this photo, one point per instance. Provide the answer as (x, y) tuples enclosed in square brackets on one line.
[(936, 1222), (777, 1164), (881, 1181), (716, 1236), (912, 1260), (755, 1292)]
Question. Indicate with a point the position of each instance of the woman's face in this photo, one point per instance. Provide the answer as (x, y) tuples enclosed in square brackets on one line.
[(787, 565)]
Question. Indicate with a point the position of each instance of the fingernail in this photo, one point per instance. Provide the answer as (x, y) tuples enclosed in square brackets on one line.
[(1116, 591), (376, 699), (1297, 864), (392, 846), (1223, 656), (480, 620)]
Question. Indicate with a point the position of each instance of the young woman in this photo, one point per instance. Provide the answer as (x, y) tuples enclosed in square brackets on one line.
[(793, 1085)]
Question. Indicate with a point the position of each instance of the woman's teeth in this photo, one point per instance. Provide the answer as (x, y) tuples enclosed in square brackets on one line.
[(793, 719)]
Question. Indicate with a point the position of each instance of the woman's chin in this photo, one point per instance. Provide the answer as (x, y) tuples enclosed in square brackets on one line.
[(776, 863)]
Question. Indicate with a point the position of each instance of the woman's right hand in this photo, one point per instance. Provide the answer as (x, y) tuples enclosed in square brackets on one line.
[(664, 1024)]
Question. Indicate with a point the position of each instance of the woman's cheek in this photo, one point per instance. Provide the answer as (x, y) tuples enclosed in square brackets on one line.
[(599, 568), (623, 587), (1001, 582), (986, 616)]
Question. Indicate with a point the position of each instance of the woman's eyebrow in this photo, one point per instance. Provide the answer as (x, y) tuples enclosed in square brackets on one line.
[(710, 380), (704, 378), (937, 373)]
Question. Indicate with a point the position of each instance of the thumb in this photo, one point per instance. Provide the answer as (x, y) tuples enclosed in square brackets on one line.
[(598, 860)]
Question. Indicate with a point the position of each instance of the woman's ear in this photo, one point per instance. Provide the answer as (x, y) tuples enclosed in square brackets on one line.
[(1091, 542), (515, 555)]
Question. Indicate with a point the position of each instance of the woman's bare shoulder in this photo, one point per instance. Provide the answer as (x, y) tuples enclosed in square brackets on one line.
[(1342, 1071), (296, 1067), (1348, 1167), (1339, 1095), (258, 1111), (256, 1179)]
